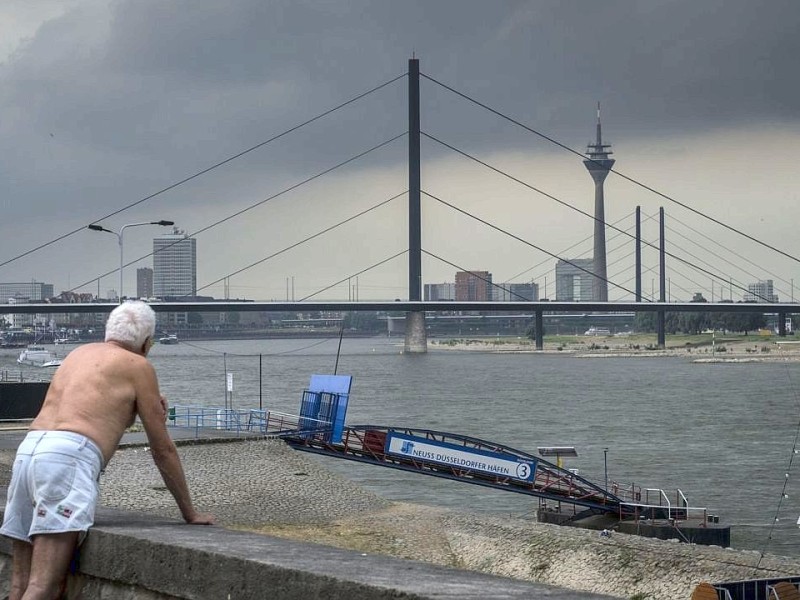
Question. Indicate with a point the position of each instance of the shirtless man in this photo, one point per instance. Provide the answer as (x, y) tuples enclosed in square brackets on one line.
[(93, 397)]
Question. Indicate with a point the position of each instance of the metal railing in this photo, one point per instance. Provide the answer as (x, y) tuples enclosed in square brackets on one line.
[(239, 421), (751, 589), (657, 506), (16, 377)]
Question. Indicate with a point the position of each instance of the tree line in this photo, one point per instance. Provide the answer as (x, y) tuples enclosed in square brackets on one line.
[(696, 322)]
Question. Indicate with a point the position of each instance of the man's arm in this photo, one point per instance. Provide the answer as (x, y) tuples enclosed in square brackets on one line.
[(150, 407)]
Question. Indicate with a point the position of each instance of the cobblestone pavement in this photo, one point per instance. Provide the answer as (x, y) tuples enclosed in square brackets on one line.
[(244, 484)]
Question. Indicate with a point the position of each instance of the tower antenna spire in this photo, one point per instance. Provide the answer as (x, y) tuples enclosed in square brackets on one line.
[(599, 132), (599, 164)]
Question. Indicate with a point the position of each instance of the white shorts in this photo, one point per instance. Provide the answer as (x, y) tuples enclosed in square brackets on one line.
[(54, 485)]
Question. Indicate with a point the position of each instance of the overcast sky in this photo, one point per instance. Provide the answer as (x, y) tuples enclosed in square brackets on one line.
[(105, 102)]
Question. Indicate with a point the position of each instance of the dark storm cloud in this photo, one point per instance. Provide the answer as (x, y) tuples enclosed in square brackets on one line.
[(169, 77), (112, 101), (658, 67)]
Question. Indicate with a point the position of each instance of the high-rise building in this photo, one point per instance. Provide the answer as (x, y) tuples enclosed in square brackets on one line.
[(144, 282), (30, 291), (598, 165), (474, 286), (174, 265), (440, 291), (761, 291), (574, 280), (516, 292)]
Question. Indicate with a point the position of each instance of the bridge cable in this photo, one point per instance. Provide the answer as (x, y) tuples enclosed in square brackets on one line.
[(575, 245), (626, 177), (212, 351), (736, 254), (519, 239), (303, 241), (377, 264), (259, 203), (582, 255), (567, 204), (208, 169), (730, 281)]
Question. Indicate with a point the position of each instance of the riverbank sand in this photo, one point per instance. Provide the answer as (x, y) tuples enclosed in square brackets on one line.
[(266, 486), (741, 350)]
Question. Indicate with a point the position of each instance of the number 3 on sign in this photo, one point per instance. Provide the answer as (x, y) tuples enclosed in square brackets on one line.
[(523, 471)]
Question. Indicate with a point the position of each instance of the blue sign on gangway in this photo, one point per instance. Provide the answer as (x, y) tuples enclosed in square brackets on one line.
[(473, 459)]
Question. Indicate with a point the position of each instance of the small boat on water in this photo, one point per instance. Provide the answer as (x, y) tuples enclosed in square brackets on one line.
[(168, 339), (38, 356)]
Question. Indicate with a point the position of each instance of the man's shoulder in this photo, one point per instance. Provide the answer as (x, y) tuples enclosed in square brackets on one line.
[(111, 353)]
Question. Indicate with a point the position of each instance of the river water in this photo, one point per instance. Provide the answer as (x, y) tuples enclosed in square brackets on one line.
[(723, 433)]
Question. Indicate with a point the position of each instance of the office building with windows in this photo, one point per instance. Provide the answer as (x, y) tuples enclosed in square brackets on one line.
[(474, 286), (760, 291), (574, 280), (440, 291), (174, 265), (515, 292), (144, 282), (29, 291)]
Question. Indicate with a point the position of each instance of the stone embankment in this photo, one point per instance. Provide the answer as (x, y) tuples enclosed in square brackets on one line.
[(267, 487)]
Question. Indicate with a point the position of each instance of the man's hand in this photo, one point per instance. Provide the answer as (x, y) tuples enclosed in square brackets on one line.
[(201, 519)]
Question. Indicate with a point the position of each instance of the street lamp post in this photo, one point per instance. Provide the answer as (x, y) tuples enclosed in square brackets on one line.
[(96, 227), (605, 465)]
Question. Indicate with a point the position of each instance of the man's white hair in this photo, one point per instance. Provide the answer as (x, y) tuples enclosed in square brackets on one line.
[(131, 323)]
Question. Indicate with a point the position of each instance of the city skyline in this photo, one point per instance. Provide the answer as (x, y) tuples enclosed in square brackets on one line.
[(142, 104)]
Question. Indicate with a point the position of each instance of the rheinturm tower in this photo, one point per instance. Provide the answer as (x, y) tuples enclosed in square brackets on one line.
[(599, 164)]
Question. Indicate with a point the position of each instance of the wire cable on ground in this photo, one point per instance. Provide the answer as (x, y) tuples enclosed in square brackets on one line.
[(208, 169), (626, 177)]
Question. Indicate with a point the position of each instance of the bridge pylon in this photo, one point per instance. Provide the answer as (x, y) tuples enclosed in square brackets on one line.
[(416, 336)]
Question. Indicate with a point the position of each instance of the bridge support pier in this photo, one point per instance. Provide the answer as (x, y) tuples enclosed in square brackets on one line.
[(416, 335), (539, 333)]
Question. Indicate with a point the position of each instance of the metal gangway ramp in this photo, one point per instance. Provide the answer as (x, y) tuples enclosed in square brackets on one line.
[(460, 458)]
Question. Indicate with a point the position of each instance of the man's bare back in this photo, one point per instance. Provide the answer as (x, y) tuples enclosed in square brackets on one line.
[(97, 392)]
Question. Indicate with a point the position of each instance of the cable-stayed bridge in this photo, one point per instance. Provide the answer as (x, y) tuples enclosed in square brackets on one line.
[(709, 264), (415, 311)]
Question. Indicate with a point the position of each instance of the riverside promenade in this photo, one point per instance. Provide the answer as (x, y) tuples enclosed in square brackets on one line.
[(284, 518)]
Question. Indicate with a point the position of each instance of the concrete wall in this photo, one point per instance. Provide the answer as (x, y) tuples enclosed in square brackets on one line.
[(22, 400), (128, 556)]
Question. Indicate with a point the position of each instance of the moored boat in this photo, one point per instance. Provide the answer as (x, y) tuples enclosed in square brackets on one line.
[(38, 356)]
